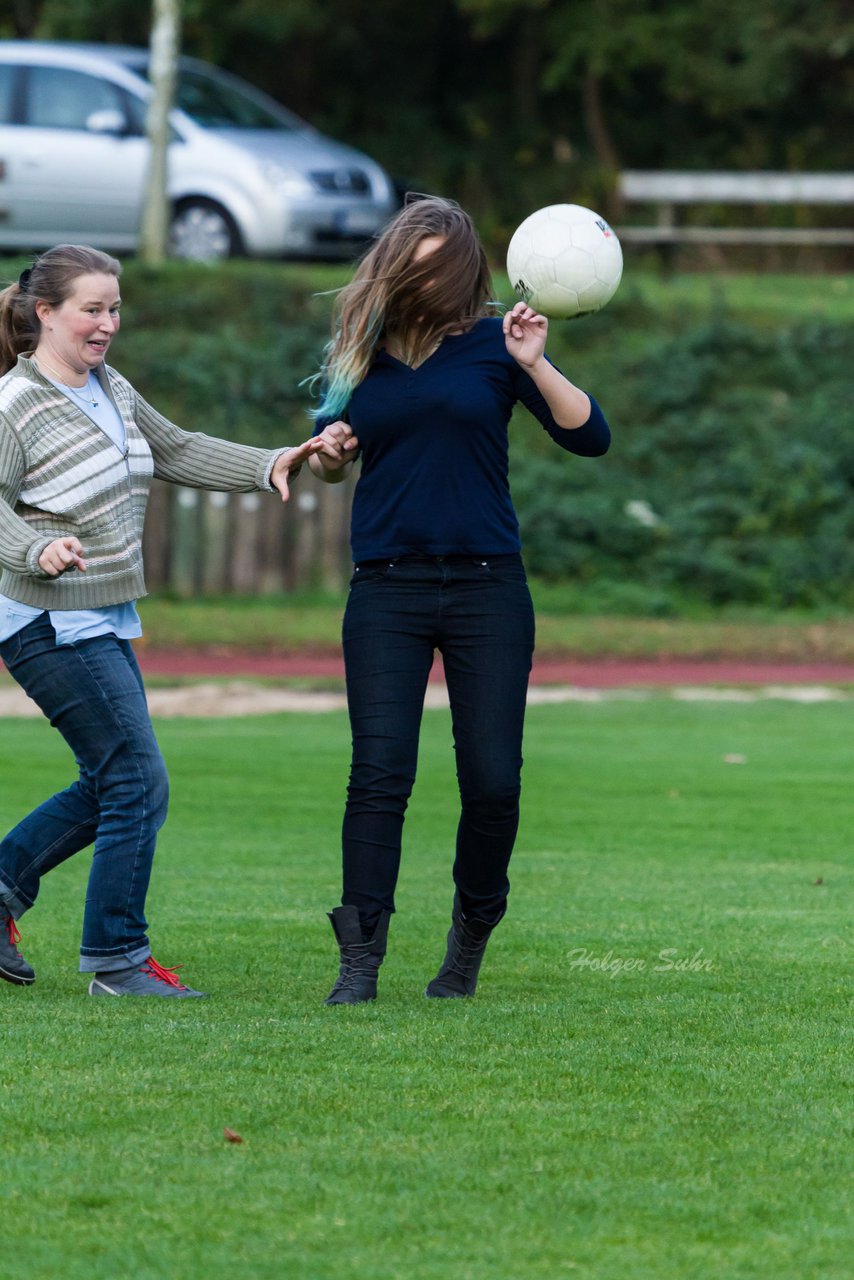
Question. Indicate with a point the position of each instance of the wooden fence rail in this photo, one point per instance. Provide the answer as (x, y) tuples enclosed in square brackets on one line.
[(670, 192), (202, 543)]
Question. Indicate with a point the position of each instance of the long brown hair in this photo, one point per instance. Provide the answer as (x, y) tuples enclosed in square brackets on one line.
[(413, 304), (50, 279)]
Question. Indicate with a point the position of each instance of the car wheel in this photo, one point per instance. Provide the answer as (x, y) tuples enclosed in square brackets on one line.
[(203, 232)]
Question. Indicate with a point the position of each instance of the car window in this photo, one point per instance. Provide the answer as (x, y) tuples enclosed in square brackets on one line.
[(7, 74), (60, 99), (219, 105), (135, 110)]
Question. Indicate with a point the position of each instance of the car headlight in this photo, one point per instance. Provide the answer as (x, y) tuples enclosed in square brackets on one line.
[(289, 181)]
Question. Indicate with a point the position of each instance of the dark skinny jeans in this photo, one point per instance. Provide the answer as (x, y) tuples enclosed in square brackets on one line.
[(477, 611)]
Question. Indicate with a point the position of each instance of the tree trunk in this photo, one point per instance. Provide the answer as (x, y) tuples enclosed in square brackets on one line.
[(526, 69), (25, 16), (165, 36), (596, 125)]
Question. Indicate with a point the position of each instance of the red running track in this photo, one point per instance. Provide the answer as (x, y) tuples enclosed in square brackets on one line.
[(606, 673)]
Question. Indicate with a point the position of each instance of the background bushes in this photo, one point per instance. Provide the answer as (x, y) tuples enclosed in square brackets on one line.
[(731, 475)]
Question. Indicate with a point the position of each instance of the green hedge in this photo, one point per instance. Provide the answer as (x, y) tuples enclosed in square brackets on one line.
[(730, 478), (224, 349)]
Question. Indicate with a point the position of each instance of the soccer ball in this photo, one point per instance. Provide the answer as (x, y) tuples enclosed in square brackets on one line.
[(565, 261)]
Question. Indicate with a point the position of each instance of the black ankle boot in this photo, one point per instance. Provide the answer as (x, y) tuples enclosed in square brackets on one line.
[(466, 944), (360, 958)]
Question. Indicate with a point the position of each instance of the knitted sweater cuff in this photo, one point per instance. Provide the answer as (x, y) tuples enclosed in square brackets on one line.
[(292, 474), (33, 566)]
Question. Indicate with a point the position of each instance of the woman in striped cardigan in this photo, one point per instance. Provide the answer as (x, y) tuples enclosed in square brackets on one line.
[(78, 450)]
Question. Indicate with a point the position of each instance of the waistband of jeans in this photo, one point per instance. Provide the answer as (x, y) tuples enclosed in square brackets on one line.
[(474, 557)]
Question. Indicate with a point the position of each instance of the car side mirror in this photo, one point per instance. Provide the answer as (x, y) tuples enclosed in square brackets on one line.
[(107, 121)]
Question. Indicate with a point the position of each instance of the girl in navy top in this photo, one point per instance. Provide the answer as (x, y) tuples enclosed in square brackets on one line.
[(427, 380)]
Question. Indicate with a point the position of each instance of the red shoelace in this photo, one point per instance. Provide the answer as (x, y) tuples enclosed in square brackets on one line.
[(13, 931), (163, 974)]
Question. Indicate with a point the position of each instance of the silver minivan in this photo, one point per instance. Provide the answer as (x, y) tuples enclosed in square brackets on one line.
[(245, 175)]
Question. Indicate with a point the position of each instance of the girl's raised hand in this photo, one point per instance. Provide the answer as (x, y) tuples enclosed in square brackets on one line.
[(525, 333)]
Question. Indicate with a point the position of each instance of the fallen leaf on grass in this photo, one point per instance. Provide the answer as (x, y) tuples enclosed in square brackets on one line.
[(231, 1136)]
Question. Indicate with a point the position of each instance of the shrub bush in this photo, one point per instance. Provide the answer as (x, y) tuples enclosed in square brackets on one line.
[(730, 477)]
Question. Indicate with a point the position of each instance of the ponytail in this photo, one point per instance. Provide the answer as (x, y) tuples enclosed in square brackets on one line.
[(19, 326)]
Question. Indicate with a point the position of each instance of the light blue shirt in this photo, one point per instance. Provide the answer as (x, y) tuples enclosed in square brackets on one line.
[(72, 625)]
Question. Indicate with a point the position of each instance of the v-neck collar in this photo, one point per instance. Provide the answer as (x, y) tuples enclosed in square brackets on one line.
[(415, 368)]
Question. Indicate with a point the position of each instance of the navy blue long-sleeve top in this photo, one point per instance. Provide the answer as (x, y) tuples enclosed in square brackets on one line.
[(434, 448)]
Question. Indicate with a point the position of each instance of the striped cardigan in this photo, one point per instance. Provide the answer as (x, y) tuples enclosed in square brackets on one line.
[(60, 475)]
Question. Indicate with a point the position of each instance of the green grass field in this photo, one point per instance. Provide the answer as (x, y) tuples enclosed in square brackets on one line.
[(597, 1111)]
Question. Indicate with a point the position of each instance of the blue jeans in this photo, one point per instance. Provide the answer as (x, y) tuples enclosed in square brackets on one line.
[(92, 693), (477, 612)]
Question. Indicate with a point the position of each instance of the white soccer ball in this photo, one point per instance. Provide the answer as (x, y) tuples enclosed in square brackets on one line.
[(565, 261)]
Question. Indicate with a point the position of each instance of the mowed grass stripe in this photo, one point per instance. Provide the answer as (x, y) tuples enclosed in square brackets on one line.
[(595, 1111)]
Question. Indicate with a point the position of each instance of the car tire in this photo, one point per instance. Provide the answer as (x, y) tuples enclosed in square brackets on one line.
[(202, 231)]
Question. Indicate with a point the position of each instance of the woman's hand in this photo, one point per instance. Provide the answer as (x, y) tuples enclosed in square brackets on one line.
[(525, 334), (339, 447), (61, 555), (287, 465)]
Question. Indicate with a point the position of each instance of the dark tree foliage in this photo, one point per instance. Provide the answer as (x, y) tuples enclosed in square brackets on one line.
[(508, 104)]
